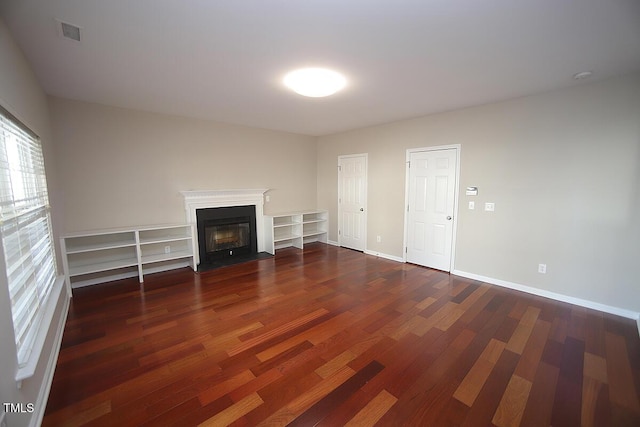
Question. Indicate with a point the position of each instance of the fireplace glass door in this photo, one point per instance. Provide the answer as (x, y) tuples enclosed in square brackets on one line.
[(224, 239)]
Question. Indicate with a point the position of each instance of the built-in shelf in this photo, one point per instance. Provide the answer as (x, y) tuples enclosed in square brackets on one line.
[(148, 259), (103, 255), (295, 229), (97, 267)]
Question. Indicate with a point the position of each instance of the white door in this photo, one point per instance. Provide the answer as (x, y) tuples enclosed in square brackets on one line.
[(352, 201), (431, 199)]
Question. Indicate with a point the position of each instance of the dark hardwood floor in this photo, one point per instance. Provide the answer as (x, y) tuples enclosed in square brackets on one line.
[(332, 337)]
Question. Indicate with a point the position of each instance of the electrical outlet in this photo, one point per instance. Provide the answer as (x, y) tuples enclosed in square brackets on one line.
[(472, 205), (167, 249), (267, 198), (542, 268), (489, 207), (378, 239)]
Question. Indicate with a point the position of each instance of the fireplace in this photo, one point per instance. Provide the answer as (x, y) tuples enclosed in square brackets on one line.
[(226, 235), (196, 202), (230, 238)]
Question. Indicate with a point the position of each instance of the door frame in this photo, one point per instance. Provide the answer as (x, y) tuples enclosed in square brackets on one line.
[(456, 191), (366, 201)]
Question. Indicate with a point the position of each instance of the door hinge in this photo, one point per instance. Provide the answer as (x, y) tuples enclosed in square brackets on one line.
[(339, 168), (409, 163), (406, 250), (339, 233), (407, 208)]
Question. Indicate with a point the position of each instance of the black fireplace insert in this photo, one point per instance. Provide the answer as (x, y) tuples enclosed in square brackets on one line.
[(226, 234)]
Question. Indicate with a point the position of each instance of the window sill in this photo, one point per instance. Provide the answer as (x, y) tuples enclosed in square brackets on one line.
[(29, 369)]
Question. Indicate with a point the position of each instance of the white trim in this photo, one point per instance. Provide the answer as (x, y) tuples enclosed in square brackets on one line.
[(458, 148), (366, 195), (385, 256), (203, 199), (553, 295), (43, 395), (29, 368), (98, 280), (332, 243)]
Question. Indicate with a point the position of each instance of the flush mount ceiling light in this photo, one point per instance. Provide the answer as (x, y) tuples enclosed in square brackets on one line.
[(315, 82)]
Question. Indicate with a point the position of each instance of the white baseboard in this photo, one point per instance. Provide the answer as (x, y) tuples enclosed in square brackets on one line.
[(385, 256), (629, 314), (368, 252), (553, 295), (47, 381)]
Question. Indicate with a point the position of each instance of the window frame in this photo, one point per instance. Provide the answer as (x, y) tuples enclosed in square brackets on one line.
[(27, 248)]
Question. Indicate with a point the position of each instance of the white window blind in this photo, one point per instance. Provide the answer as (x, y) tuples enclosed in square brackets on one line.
[(25, 228)]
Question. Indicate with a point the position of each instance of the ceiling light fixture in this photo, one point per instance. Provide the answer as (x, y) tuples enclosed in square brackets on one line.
[(315, 82), (582, 75)]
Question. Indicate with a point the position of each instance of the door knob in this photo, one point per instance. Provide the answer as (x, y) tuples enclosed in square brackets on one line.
[(449, 218), (361, 209)]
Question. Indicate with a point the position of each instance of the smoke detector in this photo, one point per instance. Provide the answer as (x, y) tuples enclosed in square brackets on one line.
[(68, 31)]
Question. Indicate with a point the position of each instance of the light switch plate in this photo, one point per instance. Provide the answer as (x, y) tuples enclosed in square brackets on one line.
[(489, 207)]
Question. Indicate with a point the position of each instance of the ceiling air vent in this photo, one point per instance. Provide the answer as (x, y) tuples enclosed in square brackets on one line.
[(70, 31)]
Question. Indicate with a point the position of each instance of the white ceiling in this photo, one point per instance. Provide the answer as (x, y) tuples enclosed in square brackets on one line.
[(224, 59)]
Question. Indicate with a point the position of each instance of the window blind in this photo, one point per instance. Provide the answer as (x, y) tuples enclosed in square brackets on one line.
[(25, 228)]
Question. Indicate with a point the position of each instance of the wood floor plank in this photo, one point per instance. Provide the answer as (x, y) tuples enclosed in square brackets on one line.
[(225, 387), (276, 332), (88, 415), (523, 331), (514, 400), (470, 387), (485, 405), (540, 404), (567, 406), (234, 411), (532, 352), (430, 373), (622, 390), (594, 412), (328, 336), (335, 364), (319, 410), (291, 411), (370, 414), (281, 392)]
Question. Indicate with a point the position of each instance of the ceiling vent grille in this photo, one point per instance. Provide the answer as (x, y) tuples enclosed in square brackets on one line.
[(70, 31)]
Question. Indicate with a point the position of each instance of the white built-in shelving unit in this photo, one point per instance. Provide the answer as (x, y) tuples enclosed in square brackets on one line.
[(295, 229), (104, 255)]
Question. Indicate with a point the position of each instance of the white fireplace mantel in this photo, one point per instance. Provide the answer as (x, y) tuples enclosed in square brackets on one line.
[(203, 199)]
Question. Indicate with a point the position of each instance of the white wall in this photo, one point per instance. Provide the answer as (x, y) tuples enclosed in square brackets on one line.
[(563, 169), (121, 167), (21, 95)]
